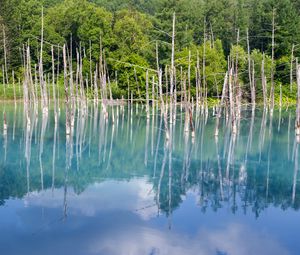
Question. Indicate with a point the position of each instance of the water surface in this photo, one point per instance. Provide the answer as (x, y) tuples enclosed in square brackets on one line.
[(121, 188)]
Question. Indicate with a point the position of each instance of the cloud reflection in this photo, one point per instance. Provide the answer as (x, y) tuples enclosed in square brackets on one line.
[(234, 239), (136, 196), (129, 235)]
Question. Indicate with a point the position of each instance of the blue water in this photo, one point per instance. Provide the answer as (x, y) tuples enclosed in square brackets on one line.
[(121, 188)]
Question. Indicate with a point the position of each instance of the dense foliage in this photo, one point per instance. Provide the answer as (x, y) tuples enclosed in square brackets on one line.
[(130, 29)]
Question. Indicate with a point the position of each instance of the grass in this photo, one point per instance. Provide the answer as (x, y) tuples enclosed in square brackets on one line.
[(7, 93)]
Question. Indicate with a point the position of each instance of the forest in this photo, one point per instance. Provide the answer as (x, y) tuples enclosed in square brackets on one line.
[(136, 35)]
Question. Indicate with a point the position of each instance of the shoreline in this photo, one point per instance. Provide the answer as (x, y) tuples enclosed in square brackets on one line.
[(123, 102)]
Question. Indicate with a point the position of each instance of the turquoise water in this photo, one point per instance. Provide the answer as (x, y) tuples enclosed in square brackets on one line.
[(121, 188)]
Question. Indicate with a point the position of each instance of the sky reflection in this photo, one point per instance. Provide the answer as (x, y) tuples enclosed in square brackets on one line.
[(122, 188), (117, 218)]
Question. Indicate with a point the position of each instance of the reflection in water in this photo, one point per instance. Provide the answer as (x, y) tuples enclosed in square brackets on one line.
[(247, 160), (109, 160)]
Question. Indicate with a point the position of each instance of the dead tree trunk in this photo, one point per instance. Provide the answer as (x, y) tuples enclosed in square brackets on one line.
[(204, 59), (291, 69), (298, 102), (41, 75), (249, 66), (14, 88), (253, 93), (272, 67), (232, 103), (53, 85), (172, 71), (264, 82), (5, 57), (68, 120), (147, 95)]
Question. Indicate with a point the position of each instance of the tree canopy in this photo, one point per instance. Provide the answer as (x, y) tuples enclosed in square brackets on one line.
[(129, 31)]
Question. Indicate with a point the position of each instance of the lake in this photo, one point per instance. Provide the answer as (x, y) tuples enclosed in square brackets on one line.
[(119, 187)]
